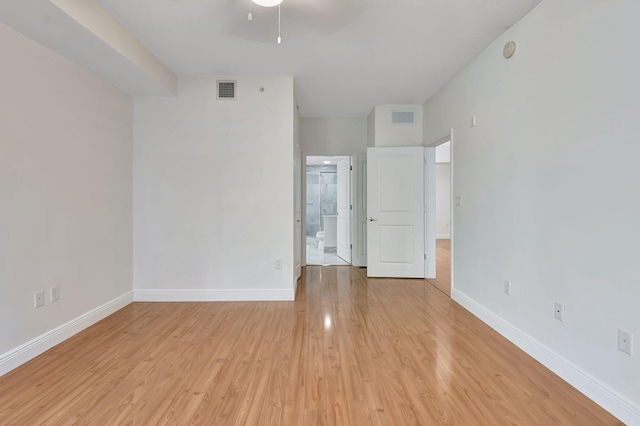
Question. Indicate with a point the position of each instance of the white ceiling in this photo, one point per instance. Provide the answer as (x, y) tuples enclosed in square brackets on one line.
[(346, 56)]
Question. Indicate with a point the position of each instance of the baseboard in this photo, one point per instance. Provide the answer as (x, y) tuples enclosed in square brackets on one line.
[(443, 236), (23, 353), (212, 295), (297, 272), (616, 404)]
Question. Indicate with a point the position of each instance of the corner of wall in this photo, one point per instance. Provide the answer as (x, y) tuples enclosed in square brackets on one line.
[(31, 349)]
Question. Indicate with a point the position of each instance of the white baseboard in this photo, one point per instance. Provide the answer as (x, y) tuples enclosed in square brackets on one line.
[(443, 236), (212, 295), (297, 273), (616, 404), (23, 353)]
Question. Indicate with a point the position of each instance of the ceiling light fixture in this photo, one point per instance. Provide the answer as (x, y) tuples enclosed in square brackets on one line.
[(267, 3)]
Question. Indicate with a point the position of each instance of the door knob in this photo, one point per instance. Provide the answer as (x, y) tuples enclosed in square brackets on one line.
[(372, 219)]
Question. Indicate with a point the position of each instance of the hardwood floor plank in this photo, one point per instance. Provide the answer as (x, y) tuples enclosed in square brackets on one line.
[(295, 395), (205, 360), (442, 281), (220, 390), (315, 398), (348, 350), (257, 382), (349, 364), (336, 399)]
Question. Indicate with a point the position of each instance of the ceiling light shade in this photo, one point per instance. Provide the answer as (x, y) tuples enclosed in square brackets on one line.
[(267, 3)]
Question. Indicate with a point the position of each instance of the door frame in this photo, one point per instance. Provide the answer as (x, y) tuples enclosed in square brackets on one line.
[(303, 198), (344, 168), (298, 261), (359, 216), (440, 141)]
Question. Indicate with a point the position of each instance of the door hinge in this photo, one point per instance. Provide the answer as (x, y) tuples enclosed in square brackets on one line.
[(425, 256), (351, 246), (350, 206), (350, 167)]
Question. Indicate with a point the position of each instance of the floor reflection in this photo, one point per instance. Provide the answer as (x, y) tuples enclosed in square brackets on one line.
[(316, 254)]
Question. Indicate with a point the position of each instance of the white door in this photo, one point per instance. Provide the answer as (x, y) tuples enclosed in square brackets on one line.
[(344, 209), (395, 212)]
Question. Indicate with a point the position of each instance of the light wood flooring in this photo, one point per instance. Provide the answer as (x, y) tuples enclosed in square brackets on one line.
[(442, 281), (349, 350)]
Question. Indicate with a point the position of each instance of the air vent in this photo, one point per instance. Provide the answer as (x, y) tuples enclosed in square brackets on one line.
[(403, 117), (227, 89)]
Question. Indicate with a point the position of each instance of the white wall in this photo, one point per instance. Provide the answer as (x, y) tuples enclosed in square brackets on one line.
[(443, 201), (65, 197), (549, 180), (213, 185), (371, 128), (443, 153), (333, 135), (389, 134)]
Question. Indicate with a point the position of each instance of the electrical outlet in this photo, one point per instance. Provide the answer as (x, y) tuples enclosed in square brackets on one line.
[(507, 287), (559, 311), (38, 299), (278, 263), (54, 293), (625, 341)]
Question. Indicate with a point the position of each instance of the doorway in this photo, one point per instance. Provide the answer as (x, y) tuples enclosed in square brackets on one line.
[(442, 281), (328, 210)]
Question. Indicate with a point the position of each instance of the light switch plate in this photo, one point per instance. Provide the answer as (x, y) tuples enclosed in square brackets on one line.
[(54, 293)]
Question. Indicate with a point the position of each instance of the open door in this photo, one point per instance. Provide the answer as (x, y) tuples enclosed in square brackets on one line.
[(396, 213), (344, 209)]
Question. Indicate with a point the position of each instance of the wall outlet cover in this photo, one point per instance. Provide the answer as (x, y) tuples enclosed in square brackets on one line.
[(38, 299), (625, 341), (559, 311)]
